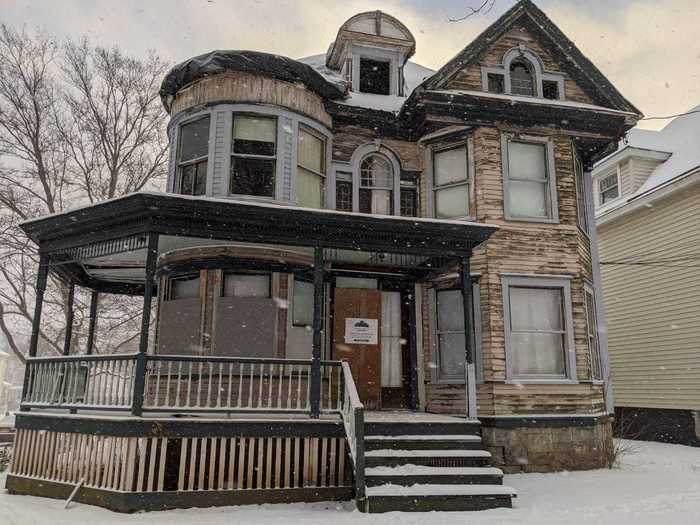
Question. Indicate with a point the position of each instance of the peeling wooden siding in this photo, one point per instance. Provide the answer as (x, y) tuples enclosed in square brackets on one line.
[(653, 312), (470, 79)]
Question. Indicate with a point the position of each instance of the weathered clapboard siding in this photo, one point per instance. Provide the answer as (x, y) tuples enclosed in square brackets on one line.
[(470, 79), (346, 139), (653, 311), (241, 87), (529, 249)]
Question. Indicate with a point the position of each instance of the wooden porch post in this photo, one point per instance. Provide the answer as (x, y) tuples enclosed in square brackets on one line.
[(315, 388), (69, 320), (469, 369), (94, 299), (140, 373), (41, 278)]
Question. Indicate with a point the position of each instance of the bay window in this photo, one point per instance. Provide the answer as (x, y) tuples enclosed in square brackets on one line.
[(451, 183), (538, 328), (376, 186), (193, 152), (311, 169), (253, 155), (529, 181)]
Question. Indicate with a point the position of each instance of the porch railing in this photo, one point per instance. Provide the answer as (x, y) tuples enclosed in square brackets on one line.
[(352, 412), (180, 384)]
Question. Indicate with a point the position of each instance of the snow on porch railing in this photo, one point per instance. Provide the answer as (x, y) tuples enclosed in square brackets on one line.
[(352, 412), (230, 384), (87, 382)]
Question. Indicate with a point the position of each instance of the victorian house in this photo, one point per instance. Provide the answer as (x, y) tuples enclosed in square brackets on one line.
[(373, 281)]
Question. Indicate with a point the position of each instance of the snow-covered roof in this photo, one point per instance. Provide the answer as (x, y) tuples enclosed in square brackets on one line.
[(413, 73), (679, 142)]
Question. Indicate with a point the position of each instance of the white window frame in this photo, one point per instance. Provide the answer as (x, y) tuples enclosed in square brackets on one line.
[(177, 132), (433, 189), (506, 139), (356, 52), (324, 163), (618, 186), (435, 375), (275, 158), (355, 166), (569, 348)]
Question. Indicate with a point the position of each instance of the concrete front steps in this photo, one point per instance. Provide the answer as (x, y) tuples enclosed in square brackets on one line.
[(412, 467)]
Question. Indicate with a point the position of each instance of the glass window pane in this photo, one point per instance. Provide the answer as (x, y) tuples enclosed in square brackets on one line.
[(376, 172), (536, 308), (450, 166), (376, 201), (186, 179), (241, 285), (452, 202), (194, 139), (252, 177), (200, 185), (452, 354), (450, 307), (311, 151), (343, 195), (309, 189), (409, 202), (539, 354), (303, 303), (527, 161), (528, 199), (254, 135), (184, 287)]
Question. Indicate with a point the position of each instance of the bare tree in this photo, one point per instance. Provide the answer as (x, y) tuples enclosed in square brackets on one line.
[(78, 124), (483, 7)]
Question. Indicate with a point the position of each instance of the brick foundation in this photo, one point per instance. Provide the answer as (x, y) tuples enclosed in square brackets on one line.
[(544, 448)]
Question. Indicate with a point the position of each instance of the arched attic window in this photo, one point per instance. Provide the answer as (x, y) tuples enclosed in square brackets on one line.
[(376, 185), (522, 79)]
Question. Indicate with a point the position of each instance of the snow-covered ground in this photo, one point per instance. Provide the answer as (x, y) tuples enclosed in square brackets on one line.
[(656, 485)]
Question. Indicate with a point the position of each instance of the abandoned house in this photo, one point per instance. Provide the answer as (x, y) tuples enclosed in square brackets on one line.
[(370, 281)]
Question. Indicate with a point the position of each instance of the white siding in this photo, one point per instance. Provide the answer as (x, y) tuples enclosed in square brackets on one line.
[(653, 311)]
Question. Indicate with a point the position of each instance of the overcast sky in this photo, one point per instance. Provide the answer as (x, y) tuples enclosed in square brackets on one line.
[(650, 49)]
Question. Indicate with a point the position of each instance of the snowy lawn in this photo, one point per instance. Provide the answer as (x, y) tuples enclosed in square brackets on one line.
[(657, 484)]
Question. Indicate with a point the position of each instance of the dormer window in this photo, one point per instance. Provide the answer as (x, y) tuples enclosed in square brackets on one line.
[(375, 76), (608, 188), (522, 81)]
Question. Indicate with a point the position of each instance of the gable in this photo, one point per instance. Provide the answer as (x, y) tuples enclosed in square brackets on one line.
[(469, 77), (526, 21)]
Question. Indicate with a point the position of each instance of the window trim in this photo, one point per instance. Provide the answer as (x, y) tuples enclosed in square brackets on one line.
[(275, 158), (588, 290), (355, 165), (222, 283), (177, 179), (435, 376), (359, 51), (581, 194), (324, 163), (430, 176), (183, 276), (569, 349), (618, 185), (506, 139)]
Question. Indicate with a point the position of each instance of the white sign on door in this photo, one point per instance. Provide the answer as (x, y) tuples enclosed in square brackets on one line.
[(359, 331)]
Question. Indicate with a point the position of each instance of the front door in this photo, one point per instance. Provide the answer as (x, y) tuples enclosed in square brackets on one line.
[(357, 339)]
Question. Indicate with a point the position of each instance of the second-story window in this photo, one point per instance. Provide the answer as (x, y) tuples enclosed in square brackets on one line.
[(376, 186), (193, 151), (608, 188), (451, 182), (343, 191), (253, 155), (408, 197), (581, 200), (375, 76), (311, 169)]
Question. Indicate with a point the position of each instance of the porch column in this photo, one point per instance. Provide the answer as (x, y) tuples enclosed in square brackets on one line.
[(470, 370), (140, 373), (315, 388), (69, 320), (41, 278), (94, 299)]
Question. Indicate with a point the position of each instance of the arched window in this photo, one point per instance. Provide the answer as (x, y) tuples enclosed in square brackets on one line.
[(376, 185), (522, 80)]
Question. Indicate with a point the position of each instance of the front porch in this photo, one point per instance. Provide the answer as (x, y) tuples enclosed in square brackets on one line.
[(158, 428)]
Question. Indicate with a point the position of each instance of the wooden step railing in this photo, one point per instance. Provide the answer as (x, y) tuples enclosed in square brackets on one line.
[(352, 412), (179, 384)]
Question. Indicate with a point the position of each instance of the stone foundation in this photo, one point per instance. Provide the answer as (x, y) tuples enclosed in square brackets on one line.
[(542, 446)]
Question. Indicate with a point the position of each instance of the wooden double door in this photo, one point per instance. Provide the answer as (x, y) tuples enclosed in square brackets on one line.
[(372, 331)]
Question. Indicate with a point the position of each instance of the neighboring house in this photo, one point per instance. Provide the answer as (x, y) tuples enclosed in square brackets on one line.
[(648, 217), (406, 257)]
